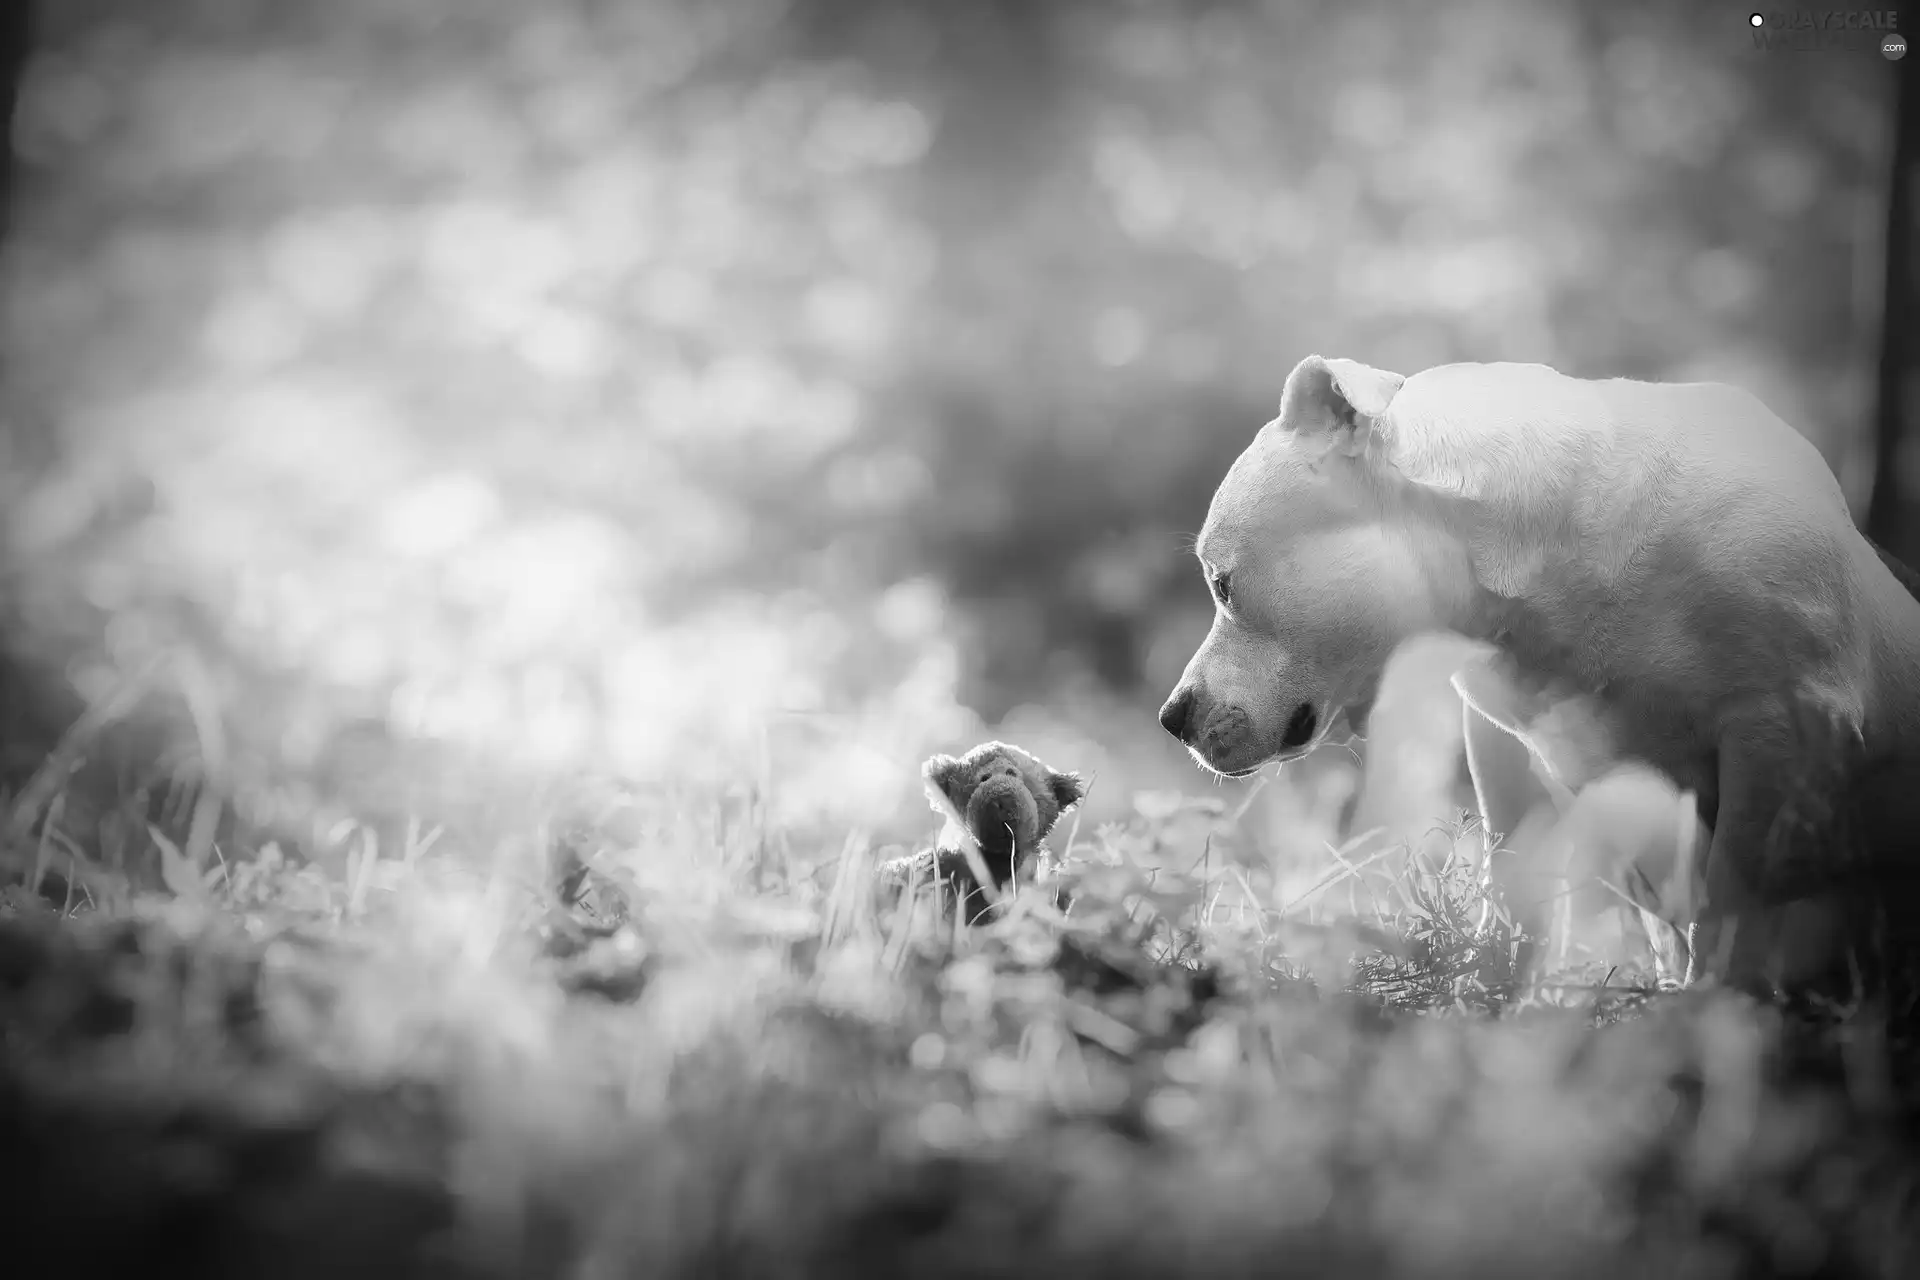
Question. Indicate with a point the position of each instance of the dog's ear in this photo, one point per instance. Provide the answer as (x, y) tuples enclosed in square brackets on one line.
[(1068, 790), (1336, 402)]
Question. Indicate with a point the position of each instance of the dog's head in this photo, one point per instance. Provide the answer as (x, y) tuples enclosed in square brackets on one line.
[(1319, 563)]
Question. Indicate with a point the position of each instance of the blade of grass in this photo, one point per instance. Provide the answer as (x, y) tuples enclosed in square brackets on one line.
[(47, 780)]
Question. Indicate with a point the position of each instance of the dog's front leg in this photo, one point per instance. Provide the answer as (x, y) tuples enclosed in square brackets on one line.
[(1517, 811)]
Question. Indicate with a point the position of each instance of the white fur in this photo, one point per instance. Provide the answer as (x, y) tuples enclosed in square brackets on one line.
[(1668, 569)]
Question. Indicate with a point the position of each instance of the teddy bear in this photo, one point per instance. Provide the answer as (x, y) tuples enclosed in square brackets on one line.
[(999, 803)]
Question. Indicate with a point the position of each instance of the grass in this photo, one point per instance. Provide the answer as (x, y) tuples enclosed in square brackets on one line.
[(733, 1056)]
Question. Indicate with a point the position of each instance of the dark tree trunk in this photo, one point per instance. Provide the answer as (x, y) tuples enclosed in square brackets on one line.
[(14, 22), (1893, 512), (31, 717)]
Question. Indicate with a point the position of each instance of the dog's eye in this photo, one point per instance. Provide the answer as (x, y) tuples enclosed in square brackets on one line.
[(1223, 590)]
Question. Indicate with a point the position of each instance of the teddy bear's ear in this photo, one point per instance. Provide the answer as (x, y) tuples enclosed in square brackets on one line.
[(1068, 790), (941, 771)]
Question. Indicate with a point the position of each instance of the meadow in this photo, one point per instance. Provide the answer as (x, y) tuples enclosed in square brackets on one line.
[(730, 1056)]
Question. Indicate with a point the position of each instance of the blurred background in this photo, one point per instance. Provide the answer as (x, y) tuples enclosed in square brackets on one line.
[(758, 395)]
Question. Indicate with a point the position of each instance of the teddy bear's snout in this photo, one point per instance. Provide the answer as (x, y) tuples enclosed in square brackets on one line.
[(1002, 814)]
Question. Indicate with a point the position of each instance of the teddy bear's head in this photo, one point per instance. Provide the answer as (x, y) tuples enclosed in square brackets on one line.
[(1008, 800)]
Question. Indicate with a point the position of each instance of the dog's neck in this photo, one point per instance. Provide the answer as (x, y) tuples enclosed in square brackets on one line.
[(1506, 590), (1519, 499)]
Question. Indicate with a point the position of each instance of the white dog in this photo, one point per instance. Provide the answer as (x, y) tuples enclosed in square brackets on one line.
[(1667, 575)]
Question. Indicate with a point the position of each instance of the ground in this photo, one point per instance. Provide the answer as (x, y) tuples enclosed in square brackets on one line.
[(725, 1061)]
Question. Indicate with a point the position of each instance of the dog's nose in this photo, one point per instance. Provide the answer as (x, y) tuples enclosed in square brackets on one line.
[(1173, 716)]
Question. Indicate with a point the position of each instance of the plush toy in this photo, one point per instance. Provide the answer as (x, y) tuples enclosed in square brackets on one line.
[(999, 803)]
